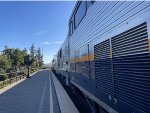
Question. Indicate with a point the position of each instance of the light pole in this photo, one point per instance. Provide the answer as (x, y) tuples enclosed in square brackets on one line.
[(28, 60)]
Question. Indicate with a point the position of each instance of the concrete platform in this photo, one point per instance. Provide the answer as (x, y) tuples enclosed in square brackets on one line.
[(62, 103), (42, 93)]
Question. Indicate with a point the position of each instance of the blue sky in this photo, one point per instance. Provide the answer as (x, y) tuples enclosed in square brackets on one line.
[(43, 23)]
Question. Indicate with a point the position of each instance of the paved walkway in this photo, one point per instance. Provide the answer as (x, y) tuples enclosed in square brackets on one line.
[(29, 96), (42, 93)]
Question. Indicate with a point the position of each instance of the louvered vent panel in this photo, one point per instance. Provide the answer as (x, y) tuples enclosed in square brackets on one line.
[(131, 67), (103, 67), (133, 41)]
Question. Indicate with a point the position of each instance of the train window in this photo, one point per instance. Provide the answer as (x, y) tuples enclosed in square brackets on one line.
[(92, 1), (60, 53), (88, 3), (80, 13), (72, 24), (77, 53), (71, 28), (84, 50)]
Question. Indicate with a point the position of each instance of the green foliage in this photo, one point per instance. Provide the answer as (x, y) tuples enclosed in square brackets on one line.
[(41, 63), (2, 72), (39, 57), (14, 56), (32, 51), (24, 52), (13, 59), (21, 73), (4, 83), (3, 77), (4, 62), (34, 62), (17, 58), (11, 75), (9, 53)]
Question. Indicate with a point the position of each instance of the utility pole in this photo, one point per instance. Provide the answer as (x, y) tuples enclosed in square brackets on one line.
[(28, 63)]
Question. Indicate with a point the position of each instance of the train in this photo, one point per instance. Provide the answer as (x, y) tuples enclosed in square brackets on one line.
[(106, 54)]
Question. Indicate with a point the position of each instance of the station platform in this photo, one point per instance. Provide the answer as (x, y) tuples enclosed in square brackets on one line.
[(61, 101), (42, 93)]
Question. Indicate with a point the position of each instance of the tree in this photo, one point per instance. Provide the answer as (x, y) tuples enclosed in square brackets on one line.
[(34, 62), (9, 53), (32, 51), (13, 57), (24, 52), (4, 62), (39, 57), (41, 63), (17, 58)]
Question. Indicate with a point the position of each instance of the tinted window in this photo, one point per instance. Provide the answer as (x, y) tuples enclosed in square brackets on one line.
[(88, 3), (80, 13), (84, 50), (71, 28), (77, 53), (93, 1), (60, 53)]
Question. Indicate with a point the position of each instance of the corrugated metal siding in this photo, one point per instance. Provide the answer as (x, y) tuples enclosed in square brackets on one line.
[(103, 69), (131, 67), (102, 17), (65, 55), (133, 41)]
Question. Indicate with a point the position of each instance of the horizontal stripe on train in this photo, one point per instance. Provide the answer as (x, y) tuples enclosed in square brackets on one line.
[(149, 44), (83, 58)]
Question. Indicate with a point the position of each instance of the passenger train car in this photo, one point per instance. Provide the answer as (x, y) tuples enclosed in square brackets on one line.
[(107, 54)]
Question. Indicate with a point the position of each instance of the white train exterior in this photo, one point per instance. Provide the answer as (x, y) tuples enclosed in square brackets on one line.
[(107, 54)]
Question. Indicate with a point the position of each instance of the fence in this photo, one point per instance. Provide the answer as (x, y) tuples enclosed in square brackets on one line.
[(11, 80)]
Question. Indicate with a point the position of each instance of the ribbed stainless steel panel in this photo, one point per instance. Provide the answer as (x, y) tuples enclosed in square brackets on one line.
[(133, 41), (103, 68), (103, 20), (103, 17), (131, 67)]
